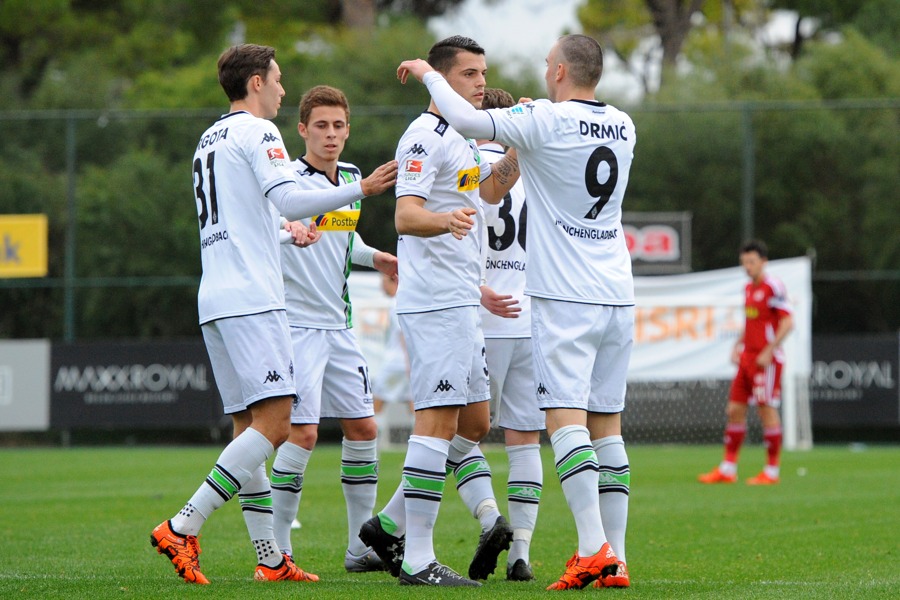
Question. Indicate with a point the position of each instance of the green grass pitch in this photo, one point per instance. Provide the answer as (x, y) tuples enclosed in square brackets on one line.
[(75, 523)]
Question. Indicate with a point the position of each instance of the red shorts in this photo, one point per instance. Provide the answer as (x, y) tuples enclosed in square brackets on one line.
[(755, 385)]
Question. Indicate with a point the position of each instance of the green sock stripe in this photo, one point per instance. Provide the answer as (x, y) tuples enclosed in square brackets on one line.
[(472, 467), (523, 492), (586, 456), (422, 483), (262, 502), (368, 470), (282, 479), (223, 482), (615, 479)]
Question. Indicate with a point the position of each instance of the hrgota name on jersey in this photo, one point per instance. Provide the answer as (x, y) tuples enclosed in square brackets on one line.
[(211, 138)]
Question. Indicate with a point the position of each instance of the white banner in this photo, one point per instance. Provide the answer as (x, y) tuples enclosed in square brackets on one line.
[(685, 325)]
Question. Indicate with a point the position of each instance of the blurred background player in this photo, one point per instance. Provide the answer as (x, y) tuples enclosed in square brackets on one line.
[(330, 372), (390, 384), (437, 303), (507, 339), (241, 184), (760, 360), (576, 155)]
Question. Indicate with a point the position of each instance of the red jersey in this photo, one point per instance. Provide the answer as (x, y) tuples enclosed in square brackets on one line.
[(765, 304)]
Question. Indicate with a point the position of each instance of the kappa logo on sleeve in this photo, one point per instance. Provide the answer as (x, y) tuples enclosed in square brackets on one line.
[(276, 156)]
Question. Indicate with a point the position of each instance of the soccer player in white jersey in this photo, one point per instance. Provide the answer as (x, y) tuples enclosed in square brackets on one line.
[(330, 373), (241, 170), (440, 219), (575, 155), (507, 338)]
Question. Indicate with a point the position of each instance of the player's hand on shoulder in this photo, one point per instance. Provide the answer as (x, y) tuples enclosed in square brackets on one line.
[(381, 179), (525, 100), (502, 305), (302, 236)]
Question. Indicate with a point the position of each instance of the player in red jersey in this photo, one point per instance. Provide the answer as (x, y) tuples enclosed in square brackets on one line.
[(760, 360)]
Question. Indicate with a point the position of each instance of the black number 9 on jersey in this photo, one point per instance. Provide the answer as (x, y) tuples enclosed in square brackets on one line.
[(601, 191)]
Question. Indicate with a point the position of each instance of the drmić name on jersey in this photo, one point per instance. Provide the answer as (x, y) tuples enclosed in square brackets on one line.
[(506, 265), (591, 234)]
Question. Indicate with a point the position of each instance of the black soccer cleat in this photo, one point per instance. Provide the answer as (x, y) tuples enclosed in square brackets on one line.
[(491, 543), (388, 547), (437, 574), (519, 571)]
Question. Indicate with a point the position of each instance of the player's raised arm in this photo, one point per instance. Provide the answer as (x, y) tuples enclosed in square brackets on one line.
[(461, 115), (294, 203)]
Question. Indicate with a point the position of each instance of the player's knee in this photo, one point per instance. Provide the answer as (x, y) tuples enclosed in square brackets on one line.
[(359, 430)]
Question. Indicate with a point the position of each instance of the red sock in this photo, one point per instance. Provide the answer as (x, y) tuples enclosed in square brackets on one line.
[(734, 437), (772, 441)]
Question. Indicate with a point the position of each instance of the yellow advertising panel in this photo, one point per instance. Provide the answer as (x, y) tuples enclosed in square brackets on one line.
[(23, 245)]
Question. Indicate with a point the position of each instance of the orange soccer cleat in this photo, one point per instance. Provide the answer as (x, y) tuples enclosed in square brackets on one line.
[(286, 571), (619, 580), (183, 551), (762, 479), (582, 570), (716, 476)]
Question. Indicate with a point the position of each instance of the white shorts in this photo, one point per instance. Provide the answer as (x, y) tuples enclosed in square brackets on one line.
[(331, 376), (447, 364), (513, 402), (581, 354), (251, 358)]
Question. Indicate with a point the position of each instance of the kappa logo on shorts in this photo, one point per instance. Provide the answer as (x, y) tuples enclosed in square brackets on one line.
[(272, 377), (542, 391), (444, 386)]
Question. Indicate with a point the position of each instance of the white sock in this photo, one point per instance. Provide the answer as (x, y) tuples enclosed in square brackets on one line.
[(256, 506), (524, 485), (424, 476), (233, 469), (576, 466), (473, 480), (359, 480), (614, 486), (287, 488)]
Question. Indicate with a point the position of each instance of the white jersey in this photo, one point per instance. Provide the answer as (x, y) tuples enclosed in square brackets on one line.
[(239, 159), (315, 278), (505, 256), (575, 159), (439, 165)]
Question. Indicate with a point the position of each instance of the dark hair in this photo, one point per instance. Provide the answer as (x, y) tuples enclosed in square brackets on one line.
[(322, 95), (496, 98), (239, 63), (442, 55), (757, 246), (583, 57)]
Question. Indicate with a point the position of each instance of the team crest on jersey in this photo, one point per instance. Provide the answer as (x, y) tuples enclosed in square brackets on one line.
[(412, 170), (467, 180), (276, 157)]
